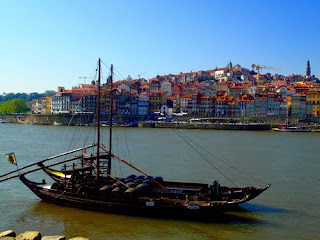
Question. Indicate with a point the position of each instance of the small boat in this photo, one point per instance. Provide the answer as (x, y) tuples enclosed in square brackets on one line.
[(57, 123), (92, 185), (286, 128), (132, 124), (2, 121)]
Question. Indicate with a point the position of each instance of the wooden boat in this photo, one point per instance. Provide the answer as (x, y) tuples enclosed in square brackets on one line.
[(170, 199), (92, 186)]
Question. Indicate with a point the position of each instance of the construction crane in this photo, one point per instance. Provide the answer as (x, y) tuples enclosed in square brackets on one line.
[(258, 67), (85, 78), (140, 75)]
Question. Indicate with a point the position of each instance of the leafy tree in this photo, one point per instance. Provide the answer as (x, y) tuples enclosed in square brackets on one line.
[(17, 105), (49, 93)]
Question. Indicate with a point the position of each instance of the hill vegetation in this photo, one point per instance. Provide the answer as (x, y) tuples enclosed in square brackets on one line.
[(24, 96)]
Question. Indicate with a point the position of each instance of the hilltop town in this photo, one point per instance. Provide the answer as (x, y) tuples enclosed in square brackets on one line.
[(228, 92)]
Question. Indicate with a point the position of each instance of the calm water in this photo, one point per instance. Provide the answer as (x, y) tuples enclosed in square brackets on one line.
[(290, 209)]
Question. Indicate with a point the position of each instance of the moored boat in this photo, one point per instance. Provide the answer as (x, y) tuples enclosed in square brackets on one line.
[(286, 128)]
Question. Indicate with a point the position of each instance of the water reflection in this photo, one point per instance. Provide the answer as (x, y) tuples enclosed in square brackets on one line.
[(54, 219), (249, 207)]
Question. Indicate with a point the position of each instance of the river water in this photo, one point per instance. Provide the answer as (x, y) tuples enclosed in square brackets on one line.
[(290, 209)]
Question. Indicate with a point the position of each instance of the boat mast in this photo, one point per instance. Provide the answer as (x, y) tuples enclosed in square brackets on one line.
[(111, 113), (98, 122)]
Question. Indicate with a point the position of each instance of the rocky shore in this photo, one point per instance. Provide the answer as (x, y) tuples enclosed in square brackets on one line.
[(33, 235)]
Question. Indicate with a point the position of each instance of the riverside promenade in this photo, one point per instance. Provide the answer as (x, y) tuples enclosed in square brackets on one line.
[(84, 119), (207, 125)]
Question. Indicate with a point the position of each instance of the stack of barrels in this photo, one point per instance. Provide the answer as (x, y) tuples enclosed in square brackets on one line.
[(131, 186)]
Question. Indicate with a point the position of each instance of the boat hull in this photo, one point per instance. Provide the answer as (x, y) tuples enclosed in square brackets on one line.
[(142, 206)]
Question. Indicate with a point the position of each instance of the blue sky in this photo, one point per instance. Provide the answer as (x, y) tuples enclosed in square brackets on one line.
[(46, 44)]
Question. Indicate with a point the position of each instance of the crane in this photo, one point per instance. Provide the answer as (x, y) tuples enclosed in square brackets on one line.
[(85, 78), (140, 74), (258, 67)]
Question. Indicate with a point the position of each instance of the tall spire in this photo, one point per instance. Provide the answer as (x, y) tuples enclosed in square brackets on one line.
[(308, 69)]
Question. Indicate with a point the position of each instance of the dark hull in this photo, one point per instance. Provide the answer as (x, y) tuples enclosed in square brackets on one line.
[(144, 206)]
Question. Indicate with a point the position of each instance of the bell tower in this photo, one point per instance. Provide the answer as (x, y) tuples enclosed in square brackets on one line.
[(308, 69)]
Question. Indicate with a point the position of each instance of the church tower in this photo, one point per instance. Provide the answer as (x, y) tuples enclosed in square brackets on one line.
[(308, 69), (229, 66)]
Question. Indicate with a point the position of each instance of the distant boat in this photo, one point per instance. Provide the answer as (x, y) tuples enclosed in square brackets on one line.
[(132, 124), (57, 124), (2, 121), (286, 128)]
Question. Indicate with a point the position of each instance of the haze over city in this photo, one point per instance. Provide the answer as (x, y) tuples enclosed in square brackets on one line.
[(46, 44)]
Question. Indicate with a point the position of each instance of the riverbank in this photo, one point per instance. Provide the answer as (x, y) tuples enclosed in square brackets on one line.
[(255, 124), (206, 125)]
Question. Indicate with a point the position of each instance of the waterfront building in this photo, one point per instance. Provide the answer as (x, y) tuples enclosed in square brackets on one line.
[(284, 108), (222, 106), (42, 106), (237, 107), (156, 100), (134, 105), (36, 107), (194, 104), (184, 102), (61, 103), (143, 104), (206, 107), (298, 106), (313, 104), (89, 103), (247, 106), (250, 110), (124, 104), (261, 106), (240, 108), (75, 105), (273, 105)]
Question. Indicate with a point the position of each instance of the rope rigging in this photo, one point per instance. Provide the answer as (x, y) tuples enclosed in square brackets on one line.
[(182, 137), (218, 158)]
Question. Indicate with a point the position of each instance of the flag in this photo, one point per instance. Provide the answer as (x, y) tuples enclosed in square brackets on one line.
[(11, 158), (84, 151)]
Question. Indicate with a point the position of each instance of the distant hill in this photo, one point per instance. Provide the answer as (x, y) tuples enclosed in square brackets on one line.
[(24, 96)]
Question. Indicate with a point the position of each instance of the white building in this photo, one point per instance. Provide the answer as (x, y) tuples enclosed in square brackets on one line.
[(166, 86)]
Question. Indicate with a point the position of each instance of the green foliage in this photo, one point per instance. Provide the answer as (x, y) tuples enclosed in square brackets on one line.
[(26, 97), (17, 105)]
